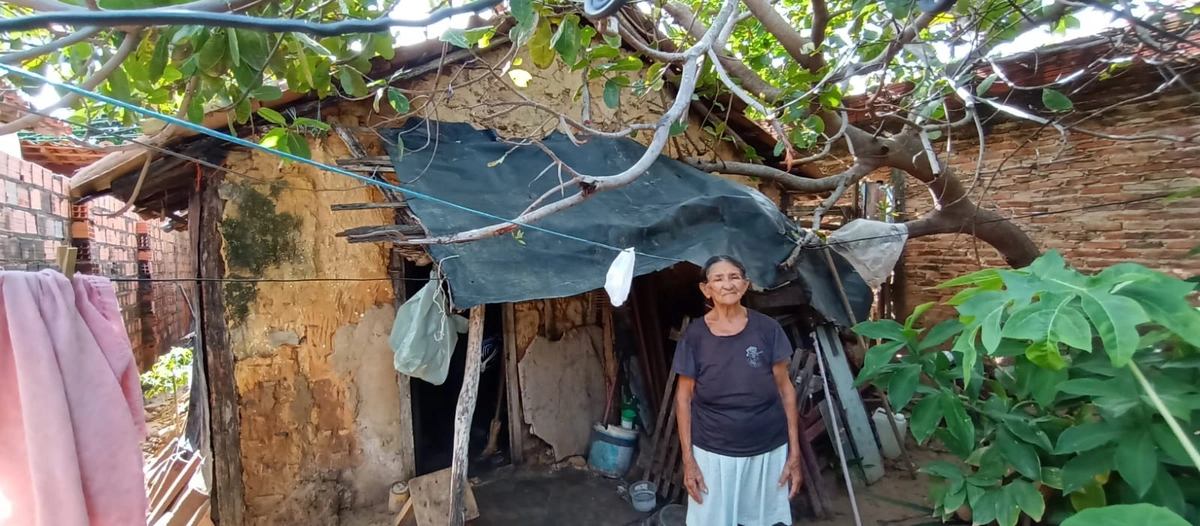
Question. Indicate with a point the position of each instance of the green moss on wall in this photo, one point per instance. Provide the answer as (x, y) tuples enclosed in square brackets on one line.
[(258, 237)]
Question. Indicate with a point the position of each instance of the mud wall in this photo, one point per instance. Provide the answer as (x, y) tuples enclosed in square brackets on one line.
[(320, 430)]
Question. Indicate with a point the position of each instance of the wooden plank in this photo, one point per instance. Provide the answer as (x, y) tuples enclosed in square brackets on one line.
[(352, 143), (367, 206), (405, 513), (166, 499), (376, 161), (462, 417), (858, 424), (361, 231), (516, 435), (430, 495), (408, 448), (228, 491), (186, 507)]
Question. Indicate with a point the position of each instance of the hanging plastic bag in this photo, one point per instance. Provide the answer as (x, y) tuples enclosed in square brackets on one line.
[(871, 247), (424, 335), (620, 277)]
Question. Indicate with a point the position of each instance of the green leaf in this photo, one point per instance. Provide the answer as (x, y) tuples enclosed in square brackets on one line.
[(211, 55), (678, 128), (384, 45), (604, 52), (1027, 498), (241, 111), (1091, 496), (118, 85), (312, 123), (1086, 437), (612, 94), (298, 146), (1020, 455), (523, 12), (926, 416), (566, 39), (1126, 515), (884, 329), (272, 116), (267, 93), (988, 279), (940, 333), (352, 83), (1007, 509), (1056, 101), (986, 84), (1045, 354), (274, 138), (629, 63), (254, 48), (965, 345), (958, 423), (1164, 299), (1137, 461), (195, 111), (1084, 468), (235, 53), (398, 101), (1052, 319), (1040, 383), (954, 500), (1166, 492), (943, 469), (456, 37), (162, 54), (983, 510), (903, 385), (877, 357), (1052, 477), (540, 49), (1116, 319), (986, 310)]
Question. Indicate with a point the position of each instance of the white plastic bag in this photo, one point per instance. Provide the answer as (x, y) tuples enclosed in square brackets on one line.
[(871, 247), (424, 335), (620, 277)]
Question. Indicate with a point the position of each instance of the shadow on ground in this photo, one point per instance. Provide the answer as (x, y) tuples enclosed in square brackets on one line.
[(569, 496)]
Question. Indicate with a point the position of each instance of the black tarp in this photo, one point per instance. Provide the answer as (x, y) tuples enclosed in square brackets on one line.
[(673, 211)]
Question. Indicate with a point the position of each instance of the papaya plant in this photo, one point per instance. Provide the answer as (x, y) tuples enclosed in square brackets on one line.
[(1059, 392)]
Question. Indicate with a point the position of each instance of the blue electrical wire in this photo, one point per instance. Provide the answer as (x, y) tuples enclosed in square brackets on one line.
[(288, 155)]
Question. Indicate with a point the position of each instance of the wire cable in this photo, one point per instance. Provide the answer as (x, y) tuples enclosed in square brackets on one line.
[(292, 157), (179, 17)]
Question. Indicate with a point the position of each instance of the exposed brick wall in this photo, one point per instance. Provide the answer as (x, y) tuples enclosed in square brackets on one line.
[(1040, 175), (36, 218)]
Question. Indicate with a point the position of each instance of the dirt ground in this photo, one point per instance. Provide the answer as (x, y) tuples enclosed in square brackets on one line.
[(571, 496)]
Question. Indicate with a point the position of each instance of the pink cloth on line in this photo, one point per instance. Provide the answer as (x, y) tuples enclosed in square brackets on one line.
[(71, 415)]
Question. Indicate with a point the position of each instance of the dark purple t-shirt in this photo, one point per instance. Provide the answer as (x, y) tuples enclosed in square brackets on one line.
[(736, 408)]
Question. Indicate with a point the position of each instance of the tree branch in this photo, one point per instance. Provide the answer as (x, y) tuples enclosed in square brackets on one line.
[(784, 179), (132, 39), (588, 184), (750, 80), (791, 40), (16, 57)]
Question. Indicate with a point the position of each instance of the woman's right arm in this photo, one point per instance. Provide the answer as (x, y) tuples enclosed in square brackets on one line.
[(693, 480)]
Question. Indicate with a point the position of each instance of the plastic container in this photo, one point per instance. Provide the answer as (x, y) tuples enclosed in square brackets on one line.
[(627, 417), (612, 450), (642, 495), (888, 442), (671, 515), (398, 496)]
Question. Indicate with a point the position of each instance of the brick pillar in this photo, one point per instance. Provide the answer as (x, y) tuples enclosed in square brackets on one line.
[(81, 238), (148, 353)]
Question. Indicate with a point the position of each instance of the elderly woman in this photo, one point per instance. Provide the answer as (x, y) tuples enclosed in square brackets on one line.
[(738, 422)]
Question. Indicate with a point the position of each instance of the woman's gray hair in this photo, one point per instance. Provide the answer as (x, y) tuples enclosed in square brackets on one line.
[(708, 265)]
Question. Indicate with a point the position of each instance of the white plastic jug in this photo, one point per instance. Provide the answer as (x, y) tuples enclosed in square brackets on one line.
[(888, 441)]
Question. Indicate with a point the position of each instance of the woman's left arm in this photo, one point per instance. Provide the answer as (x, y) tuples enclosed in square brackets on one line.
[(791, 471)]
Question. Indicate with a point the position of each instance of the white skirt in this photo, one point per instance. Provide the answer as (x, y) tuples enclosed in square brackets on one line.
[(742, 491)]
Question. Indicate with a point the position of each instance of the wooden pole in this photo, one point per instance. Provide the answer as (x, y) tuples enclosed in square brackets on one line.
[(462, 418)]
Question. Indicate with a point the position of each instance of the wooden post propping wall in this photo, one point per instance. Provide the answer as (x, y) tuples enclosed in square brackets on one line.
[(462, 417), (228, 491)]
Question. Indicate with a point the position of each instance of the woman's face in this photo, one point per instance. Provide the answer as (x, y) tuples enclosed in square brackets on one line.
[(725, 284)]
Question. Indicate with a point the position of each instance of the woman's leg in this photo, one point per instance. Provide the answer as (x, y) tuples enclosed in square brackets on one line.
[(761, 502), (720, 503)]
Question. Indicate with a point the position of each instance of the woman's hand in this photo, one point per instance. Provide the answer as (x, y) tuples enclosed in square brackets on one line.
[(791, 473), (693, 480)]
